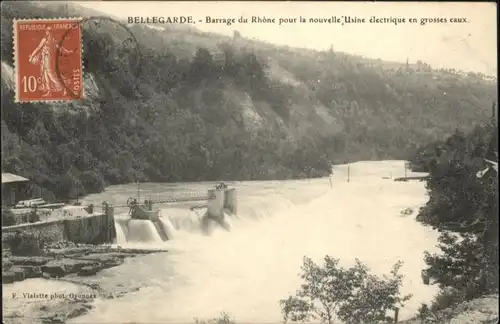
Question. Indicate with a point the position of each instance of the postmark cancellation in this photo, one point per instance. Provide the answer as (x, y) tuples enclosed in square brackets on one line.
[(48, 59)]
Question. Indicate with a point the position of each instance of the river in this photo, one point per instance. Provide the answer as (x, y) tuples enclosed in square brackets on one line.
[(246, 271)]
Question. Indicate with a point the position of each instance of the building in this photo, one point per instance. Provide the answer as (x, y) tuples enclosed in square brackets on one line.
[(14, 189)]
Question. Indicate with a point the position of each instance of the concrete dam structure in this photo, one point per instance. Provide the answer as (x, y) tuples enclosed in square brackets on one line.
[(146, 223), (87, 227)]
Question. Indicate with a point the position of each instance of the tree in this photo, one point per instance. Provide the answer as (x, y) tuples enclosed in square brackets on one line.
[(253, 74), (92, 181), (223, 318), (449, 268), (202, 65), (352, 295), (68, 186), (467, 205)]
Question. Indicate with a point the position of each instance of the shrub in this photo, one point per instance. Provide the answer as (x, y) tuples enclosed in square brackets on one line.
[(223, 318), (441, 309), (25, 243), (352, 295), (7, 239), (447, 298), (8, 218), (464, 269), (33, 216)]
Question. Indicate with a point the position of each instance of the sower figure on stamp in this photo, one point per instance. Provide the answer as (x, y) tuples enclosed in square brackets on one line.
[(44, 55)]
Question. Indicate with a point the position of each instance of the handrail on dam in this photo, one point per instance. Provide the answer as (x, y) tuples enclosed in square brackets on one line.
[(181, 199), (171, 200)]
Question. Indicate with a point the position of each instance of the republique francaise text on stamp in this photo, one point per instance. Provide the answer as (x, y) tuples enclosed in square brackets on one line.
[(48, 59)]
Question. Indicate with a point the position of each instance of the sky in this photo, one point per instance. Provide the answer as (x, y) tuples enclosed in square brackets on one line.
[(470, 46)]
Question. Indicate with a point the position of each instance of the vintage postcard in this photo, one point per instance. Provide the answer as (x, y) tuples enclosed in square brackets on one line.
[(221, 162)]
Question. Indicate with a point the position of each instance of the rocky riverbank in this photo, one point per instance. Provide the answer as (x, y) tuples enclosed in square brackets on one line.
[(483, 310), (61, 287), (65, 258), (42, 301)]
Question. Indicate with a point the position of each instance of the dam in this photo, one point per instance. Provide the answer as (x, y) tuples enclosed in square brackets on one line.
[(142, 224), (145, 223)]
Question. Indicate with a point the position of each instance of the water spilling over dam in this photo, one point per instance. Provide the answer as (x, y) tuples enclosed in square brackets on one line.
[(245, 271), (145, 224), (171, 220)]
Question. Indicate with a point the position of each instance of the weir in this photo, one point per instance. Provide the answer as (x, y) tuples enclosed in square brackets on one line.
[(147, 225), (144, 223)]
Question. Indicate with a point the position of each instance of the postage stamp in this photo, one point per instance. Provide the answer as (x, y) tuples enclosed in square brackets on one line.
[(48, 59)]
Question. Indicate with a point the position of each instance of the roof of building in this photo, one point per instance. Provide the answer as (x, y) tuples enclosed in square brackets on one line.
[(9, 177)]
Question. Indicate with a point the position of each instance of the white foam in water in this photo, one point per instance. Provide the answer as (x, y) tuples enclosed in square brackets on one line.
[(124, 229), (168, 228), (121, 237), (226, 221), (142, 231), (247, 271), (184, 219)]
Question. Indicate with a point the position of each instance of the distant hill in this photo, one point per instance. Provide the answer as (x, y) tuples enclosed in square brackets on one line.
[(209, 107)]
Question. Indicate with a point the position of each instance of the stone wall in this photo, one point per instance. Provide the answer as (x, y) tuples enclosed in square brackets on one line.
[(52, 231), (92, 229), (97, 229)]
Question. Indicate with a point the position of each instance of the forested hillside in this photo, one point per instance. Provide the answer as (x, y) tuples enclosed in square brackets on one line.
[(207, 107)]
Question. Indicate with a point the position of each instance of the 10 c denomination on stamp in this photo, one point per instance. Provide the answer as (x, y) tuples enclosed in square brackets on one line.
[(48, 59)]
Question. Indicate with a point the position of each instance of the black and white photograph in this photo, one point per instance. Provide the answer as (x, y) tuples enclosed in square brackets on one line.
[(237, 162)]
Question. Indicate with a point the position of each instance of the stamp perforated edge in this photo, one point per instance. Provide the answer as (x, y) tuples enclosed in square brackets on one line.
[(15, 54)]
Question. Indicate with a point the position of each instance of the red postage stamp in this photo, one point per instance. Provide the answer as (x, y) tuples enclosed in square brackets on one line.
[(48, 59)]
